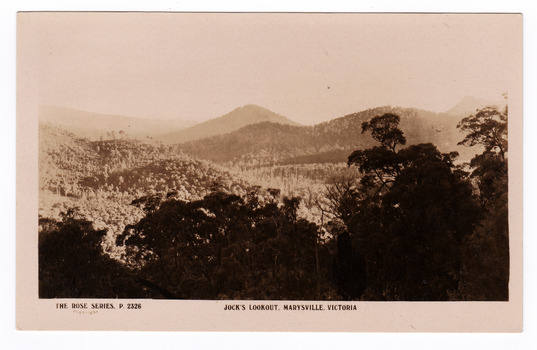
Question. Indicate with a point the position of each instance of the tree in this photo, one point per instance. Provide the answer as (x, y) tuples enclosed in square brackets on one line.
[(427, 214), (380, 164), (488, 127), (385, 130), (339, 199), (73, 265), (229, 247), (349, 269), (486, 269), (490, 174), (412, 215)]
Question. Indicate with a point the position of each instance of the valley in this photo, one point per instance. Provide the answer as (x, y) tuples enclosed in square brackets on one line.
[(101, 176), (255, 181)]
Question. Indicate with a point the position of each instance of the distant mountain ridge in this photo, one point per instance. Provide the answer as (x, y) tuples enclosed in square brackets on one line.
[(234, 120), (333, 141), (94, 125), (254, 135)]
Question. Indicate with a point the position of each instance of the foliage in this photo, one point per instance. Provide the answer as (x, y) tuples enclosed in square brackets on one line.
[(225, 247), (486, 270), (384, 129), (488, 127), (73, 265), (100, 179), (413, 212)]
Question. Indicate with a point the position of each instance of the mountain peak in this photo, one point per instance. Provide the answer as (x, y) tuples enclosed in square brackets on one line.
[(251, 107), (234, 120), (468, 105), (257, 112)]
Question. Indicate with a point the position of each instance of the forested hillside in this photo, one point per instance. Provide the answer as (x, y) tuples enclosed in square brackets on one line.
[(270, 143), (234, 120), (100, 179)]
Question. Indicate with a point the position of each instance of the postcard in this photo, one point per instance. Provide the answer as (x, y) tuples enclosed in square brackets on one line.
[(319, 172)]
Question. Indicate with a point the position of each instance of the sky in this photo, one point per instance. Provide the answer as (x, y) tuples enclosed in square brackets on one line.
[(307, 67)]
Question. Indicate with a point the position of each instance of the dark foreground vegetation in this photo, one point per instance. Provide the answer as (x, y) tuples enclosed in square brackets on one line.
[(413, 226)]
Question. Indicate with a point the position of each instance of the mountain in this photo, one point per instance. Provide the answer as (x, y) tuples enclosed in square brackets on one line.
[(99, 180), (234, 120), (94, 125), (73, 167), (329, 142), (468, 105)]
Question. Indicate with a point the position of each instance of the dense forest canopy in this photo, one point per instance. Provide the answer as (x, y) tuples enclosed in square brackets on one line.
[(403, 220)]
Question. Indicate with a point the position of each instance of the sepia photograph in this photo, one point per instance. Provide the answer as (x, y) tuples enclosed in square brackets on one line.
[(269, 166)]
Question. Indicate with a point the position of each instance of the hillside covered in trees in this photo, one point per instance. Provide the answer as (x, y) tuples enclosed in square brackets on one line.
[(270, 143), (376, 205), (100, 179), (236, 119)]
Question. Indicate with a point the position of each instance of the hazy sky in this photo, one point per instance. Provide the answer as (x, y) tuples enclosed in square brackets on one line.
[(309, 68)]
